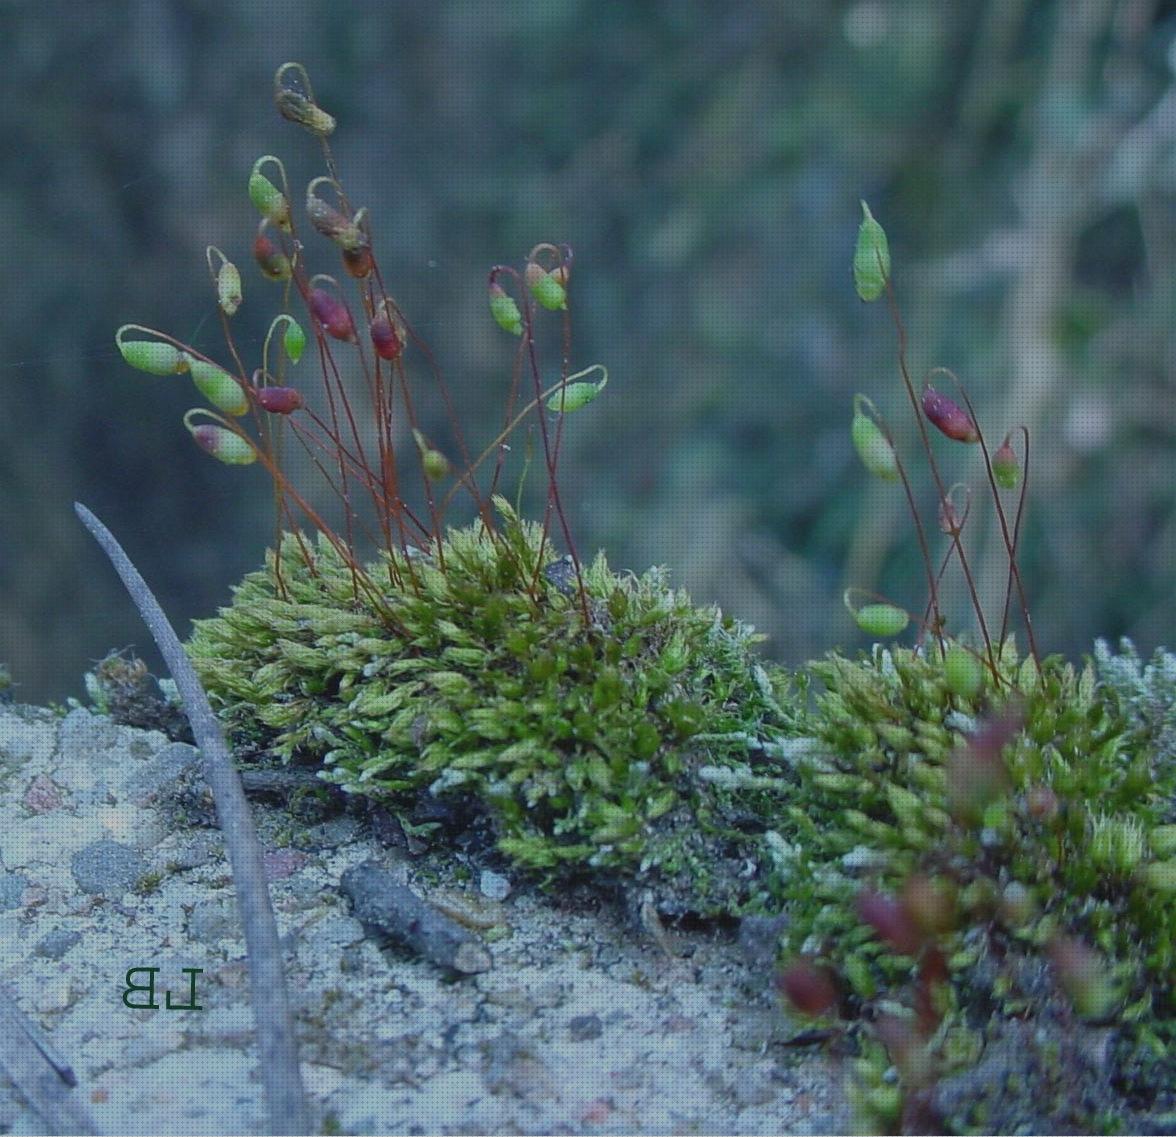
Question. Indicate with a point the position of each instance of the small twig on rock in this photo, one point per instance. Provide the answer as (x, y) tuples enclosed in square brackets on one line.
[(277, 1045), (41, 1075), (380, 902)]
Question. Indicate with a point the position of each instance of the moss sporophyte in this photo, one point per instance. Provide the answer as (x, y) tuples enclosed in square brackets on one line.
[(961, 839)]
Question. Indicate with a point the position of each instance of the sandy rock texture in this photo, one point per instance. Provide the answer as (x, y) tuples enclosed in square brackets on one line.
[(582, 1023)]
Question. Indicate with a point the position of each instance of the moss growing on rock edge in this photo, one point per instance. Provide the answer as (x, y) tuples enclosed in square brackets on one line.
[(625, 747), (653, 750), (954, 893)]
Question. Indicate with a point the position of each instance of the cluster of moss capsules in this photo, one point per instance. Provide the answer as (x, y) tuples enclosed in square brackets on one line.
[(960, 840)]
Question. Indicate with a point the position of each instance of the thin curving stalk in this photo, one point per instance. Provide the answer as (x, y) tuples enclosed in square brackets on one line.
[(277, 1046)]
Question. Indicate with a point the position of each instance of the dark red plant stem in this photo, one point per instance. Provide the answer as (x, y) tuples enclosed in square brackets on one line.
[(360, 578), (916, 410), (516, 373), (383, 507), (481, 504), (553, 489), (923, 547), (1010, 545)]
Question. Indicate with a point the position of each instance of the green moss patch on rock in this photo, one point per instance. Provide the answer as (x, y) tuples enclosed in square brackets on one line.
[(1043, 889), (650, 751), (626, 746)]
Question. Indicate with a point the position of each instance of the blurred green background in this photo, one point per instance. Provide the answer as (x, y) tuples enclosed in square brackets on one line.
[(705, 161)]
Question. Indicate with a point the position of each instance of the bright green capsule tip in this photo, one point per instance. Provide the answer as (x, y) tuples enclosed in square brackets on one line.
[(152, 356), (218, 386), (871, 258), (549, 292), (293, 340), (267, 199), (875, 451), (574, 396), (506, 313), (881, 619)]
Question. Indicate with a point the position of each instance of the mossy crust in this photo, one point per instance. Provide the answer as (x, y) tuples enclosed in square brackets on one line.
[(882, 732), (625, 748)]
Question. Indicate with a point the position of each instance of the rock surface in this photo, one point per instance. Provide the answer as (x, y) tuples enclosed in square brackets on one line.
[(582, 1024)]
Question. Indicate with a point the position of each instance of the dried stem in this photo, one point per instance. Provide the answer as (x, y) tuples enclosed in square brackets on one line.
[(277, 1043)]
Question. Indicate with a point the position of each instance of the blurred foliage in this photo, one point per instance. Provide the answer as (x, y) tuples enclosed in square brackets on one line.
[(704, 158)]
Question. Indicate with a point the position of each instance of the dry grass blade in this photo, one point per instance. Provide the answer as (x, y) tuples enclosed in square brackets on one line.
[(40, 1075), (276, 1042)]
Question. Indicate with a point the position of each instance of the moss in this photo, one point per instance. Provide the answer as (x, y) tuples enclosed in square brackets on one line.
[(1046, 899), (472, 693), (149, 882), (650, 749), (121, 686)]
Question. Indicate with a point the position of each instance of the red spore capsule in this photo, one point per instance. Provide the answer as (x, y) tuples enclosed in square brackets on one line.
[(273, 263), (808, 987), (279, 400), (385, 338), (891, 920), (951, 418), (332, 314)]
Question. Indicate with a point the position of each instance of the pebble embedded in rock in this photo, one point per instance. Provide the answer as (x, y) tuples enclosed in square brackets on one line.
[(584, 1028), (493, 885), (57, 943), (107, 868)]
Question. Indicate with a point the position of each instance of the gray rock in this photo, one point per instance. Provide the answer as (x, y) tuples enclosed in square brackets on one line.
[(331, 834), (155, 780), (12, 888), (584, 1028), (57, 943), (213, 920), (493, 885), (107, 868)]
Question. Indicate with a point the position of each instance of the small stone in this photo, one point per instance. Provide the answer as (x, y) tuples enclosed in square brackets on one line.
[(57, 943), (43, 795), (331, 834), (584, 1028), (513, 1066), (55, 994), (759, 937), (107, 868), (213, 920), (513, 998), (281, 863), (12, 889), (493, 885)]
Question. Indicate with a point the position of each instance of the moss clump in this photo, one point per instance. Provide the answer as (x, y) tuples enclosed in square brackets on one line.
[(1043, 889), (618, 746), (650, 748)]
